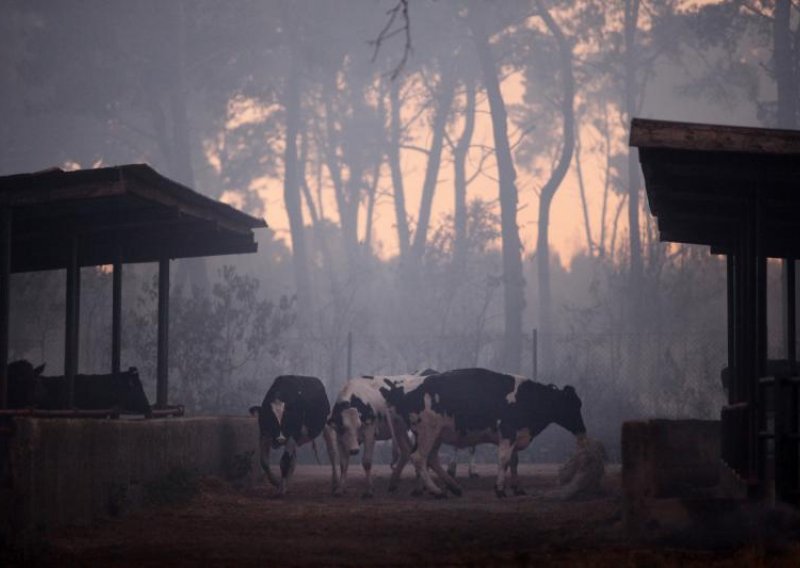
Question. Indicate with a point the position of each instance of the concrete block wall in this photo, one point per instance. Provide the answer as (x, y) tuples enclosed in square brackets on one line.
[(68, 471), (665, 462)]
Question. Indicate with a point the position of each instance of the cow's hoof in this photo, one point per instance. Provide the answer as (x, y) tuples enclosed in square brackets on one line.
[(501, 493), (519, 491), (455, 490), (473, 475), (392, 489), (440, 495), (417, 493), (367, 495), (451, 471)]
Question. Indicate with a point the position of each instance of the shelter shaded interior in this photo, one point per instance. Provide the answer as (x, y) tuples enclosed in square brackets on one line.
[(124, 213)]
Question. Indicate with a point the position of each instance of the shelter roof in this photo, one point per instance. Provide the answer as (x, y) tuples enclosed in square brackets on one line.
[(703, 181), (128, 212)]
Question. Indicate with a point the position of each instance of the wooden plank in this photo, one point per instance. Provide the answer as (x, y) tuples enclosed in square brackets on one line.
[(647, 133)]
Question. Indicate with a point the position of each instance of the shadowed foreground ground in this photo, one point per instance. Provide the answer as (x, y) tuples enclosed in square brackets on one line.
[(226, 526)]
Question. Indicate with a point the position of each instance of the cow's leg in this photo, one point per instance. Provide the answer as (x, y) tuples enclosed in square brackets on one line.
[(436, 465), (344, 463), (514, 481), (265, 444), (453, 465), (402, 448), (333, 453), (504, 452), (366, 458), (472, 473), (288, 461), (427, 437)]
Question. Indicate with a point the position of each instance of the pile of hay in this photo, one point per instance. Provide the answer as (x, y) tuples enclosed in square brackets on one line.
[(582, 474)]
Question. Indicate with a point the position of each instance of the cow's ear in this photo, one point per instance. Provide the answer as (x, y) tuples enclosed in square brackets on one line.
[(255, 410), (38, 370), (569, 389)]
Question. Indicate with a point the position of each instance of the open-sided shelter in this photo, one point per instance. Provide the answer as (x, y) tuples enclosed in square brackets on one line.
[(108, 216), (738, 190)]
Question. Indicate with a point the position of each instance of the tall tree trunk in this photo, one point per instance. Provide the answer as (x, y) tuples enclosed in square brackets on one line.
[(393, 154), (191, 270), (785, 65), (460, 178), (291, 194), (548, 192), (444, 101), (636, 269), (513, 281)]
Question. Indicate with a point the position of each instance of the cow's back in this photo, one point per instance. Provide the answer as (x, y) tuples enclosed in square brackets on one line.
[(475, 398)]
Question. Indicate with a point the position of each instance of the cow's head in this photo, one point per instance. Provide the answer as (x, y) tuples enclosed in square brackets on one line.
[(133, 398), (567, 411), (275, 418), (347, 420)]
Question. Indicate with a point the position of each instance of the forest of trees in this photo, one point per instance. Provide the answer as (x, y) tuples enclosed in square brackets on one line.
[(413, 183)]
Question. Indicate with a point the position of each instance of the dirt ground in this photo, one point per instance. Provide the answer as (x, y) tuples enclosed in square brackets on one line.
[(224, 526)]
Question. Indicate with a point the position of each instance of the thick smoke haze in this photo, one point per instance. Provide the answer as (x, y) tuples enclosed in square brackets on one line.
[(432, 199)]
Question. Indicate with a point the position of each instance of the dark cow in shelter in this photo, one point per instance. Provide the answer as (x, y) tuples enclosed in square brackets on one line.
[(293, 413), (474, 406), (28, 388), (122, 391), (24, 386)]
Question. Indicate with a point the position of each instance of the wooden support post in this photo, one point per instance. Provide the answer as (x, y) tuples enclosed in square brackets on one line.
[(72, 323), (766, 459), (5, 303), (730, 262), (116, 317), (162, 364), (535, 354), (790, 309)]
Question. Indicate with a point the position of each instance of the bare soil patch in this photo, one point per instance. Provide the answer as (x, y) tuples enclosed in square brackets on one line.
[(242, 527)]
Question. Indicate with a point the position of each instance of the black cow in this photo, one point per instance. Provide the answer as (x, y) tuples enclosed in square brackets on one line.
[(24, 386), (98, 392), (474, 406), (293, 413)]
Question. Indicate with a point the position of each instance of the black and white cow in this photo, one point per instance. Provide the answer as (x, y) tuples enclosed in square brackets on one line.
[(293, 413), (466, 407), (360, 415)]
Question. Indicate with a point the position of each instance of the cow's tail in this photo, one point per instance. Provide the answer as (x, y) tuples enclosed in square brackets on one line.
[(316, 454)]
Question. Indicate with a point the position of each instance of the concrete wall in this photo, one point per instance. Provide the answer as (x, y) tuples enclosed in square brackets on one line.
[(664, 463), (70, 471)]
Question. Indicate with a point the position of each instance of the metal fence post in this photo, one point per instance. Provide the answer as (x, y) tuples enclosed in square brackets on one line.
[(349, 354)]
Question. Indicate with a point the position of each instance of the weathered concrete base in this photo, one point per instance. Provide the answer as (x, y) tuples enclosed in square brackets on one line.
[(668, 468), (71, 471)]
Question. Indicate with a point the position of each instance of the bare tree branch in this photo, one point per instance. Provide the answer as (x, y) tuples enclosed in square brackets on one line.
[(389, 31)]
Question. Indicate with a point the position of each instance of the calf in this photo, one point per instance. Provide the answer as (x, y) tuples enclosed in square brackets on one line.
[(472, 406), (293, 413), (360, 416)]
